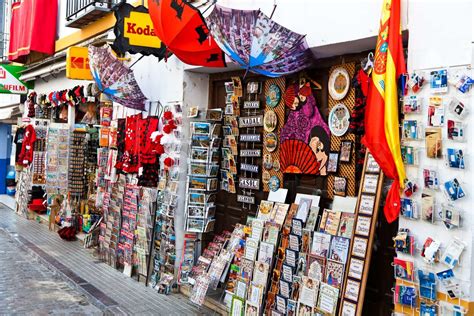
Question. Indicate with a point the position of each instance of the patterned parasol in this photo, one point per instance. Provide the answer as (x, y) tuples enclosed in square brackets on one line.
[(257, 43), (114, 78)]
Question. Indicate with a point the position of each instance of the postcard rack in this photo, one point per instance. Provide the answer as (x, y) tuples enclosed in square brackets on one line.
[(203, 171)]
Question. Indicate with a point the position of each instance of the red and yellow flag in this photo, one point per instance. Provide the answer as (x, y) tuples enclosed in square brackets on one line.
[(381, 118)]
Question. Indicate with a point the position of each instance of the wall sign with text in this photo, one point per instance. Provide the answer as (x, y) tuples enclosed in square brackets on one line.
[(134, 32)]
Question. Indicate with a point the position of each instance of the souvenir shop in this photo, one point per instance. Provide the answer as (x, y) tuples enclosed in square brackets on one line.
[(266, 199)]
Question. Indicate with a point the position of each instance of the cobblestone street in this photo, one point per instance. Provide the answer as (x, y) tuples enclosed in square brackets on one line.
[(41, 274), (29, 287)]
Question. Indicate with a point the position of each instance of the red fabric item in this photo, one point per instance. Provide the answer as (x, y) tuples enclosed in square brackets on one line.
[(169, 162), (167, 129), (129, 162), (156, 146), (375, 139), (26, 154), (32, 28), (145, 128), (168, 115), (183, 30)]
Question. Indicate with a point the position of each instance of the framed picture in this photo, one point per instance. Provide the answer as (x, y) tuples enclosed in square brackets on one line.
[(370, 183), (348, 308), (372, 166), (346, 151), (237, 307), (359, 248), (356, 268), (352, 290), (363, 225), (340, 185), (333, 162), (366, 204)]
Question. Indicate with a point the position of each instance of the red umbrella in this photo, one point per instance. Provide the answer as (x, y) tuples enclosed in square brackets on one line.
[(183, 30)]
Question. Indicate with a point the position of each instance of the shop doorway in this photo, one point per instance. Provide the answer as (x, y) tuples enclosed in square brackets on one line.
[(379, 297)]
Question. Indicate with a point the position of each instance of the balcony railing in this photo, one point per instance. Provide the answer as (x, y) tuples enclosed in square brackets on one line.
[(80, 13)]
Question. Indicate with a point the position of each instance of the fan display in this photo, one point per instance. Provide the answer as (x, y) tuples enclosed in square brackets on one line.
[(114, 78), (257, 43), (183, 29), (297, 157)]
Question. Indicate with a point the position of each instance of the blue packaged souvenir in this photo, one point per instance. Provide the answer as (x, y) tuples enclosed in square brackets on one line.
[(428, 310), (427, 285)]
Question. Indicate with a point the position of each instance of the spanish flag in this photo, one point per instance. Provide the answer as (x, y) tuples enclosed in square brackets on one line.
[(381, 119)]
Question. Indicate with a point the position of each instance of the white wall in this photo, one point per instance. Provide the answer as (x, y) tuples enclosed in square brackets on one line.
[(434, 45)]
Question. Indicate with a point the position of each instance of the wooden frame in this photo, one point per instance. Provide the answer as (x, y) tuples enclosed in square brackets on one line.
[(368, 253)]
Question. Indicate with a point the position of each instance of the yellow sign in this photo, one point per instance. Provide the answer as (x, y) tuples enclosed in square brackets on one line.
[(138, 29), (77, 63)]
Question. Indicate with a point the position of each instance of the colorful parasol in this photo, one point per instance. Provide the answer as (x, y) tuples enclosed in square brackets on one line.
[(184, 31), (257, 43), (114, 78)]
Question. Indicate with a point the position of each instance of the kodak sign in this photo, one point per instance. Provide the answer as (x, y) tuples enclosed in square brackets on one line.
[(77, 63), (134, 32), (138, 29)]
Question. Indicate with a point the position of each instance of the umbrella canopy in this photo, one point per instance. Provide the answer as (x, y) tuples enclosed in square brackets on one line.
[(115, 79), (257, 43), (184, 31)]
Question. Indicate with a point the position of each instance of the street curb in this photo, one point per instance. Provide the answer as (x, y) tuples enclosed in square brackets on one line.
[(106, 304)]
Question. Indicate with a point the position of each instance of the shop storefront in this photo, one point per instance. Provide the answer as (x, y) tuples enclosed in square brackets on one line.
[(252, 188)]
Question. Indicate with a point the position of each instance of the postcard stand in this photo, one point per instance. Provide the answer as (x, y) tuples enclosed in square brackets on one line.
[(203, 170)]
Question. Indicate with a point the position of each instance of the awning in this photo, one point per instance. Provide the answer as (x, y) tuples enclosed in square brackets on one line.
[(43, 71), (8, 112)]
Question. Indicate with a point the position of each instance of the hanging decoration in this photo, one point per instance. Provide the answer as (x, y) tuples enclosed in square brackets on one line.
[(115, 79), (134, 32), (305, 137), (182, 28), (258, 44)]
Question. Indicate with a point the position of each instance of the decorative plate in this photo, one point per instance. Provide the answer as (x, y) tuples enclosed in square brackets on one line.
[(274, 183), (276, 165), (265, 176), (270, 142), (267, 161), (273, 96), (339, 83), (270, 121), (339, 119)]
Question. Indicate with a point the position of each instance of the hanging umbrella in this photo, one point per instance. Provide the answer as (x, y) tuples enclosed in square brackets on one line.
[(184, 31), (115, 79), (257, 43)]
